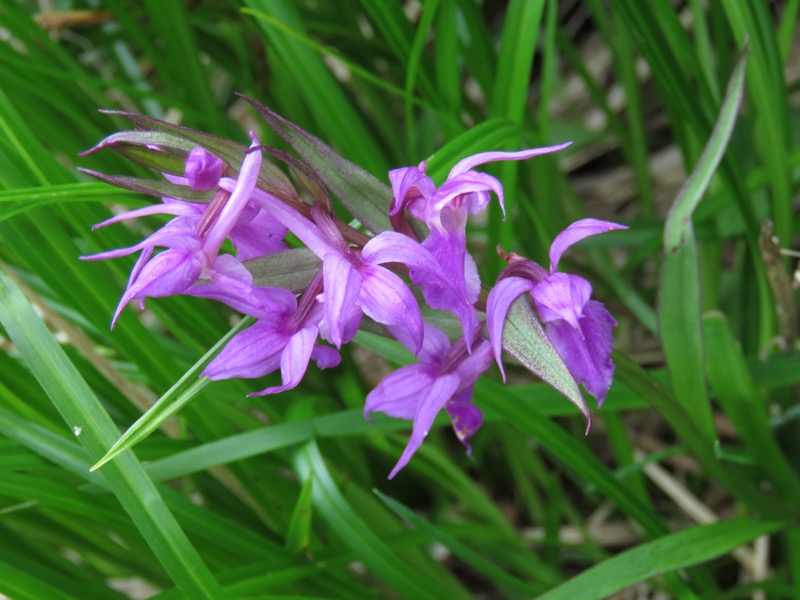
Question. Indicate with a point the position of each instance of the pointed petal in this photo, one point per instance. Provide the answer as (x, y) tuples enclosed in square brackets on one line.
[(305, 230), (398, 394), (390, 246), (386, 299), (435, 397), (475, 364), (587, 353), (229, 273), (170, 272), (342, 286), (500, 300), (486, 157), (473, 187), (251, 353), (259, 302), (185, 209), (294, 360), (240, 196), (561, 297), (575, 233)]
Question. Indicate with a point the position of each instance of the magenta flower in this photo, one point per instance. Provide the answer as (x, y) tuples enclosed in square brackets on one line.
[(445, 211), (444, 378), (284, 337), (356, 283), (579, 328), (193, 239)]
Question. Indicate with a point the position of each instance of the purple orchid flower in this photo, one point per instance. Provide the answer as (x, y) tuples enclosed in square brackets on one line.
[(578, 328), (444, 378), (356, 283), (193, 239), (284, 336), (445, 211)]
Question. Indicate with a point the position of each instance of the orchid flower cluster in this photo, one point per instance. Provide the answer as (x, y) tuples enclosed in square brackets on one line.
[(243, 202)]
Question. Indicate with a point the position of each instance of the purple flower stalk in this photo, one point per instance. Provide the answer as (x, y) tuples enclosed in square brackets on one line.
[(579, 328), (444, 378)]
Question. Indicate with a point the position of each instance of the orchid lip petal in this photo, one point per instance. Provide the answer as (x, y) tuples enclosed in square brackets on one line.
[(429, 405), (294, 360)]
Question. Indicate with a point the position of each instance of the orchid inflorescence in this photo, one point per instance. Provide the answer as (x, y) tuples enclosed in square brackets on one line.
[(228, 193)]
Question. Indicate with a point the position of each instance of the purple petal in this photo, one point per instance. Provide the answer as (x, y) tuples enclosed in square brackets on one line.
[(466, 417), (325, 356), (587, 353), (259, 236), (305, 230), (475, 364), (485, 157), (251, 353), (575, 233), (184, 209), (502, 296), (470, 188), (391, 246), (409, 185), (170, 272), (229, 273), (294, 360), (386, 299), (259, 302), (343, 284), (398, 394), (561, 297), (431, 402), (240, 196), (203, 169)]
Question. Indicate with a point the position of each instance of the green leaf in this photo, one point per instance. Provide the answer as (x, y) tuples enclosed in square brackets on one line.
[(298, 534), (80, 408), (680, 303), (736, 392), (462, 551), (271, 177), (525, 339), (152, 187), (292, 269), (180, 394), (352, 531), (365, 197), (667, 554)]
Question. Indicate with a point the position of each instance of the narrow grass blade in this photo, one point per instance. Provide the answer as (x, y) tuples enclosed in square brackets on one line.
[(680, 304), (737, 394), (79, 408), (469, 556), (672, 552), (184, 390), (352, 531), (298, 534)]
